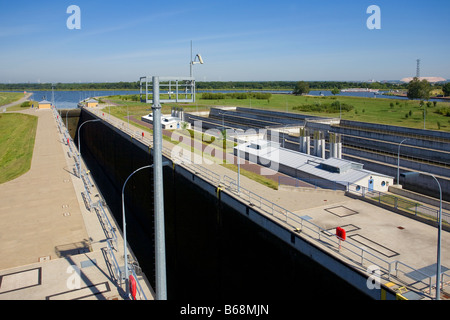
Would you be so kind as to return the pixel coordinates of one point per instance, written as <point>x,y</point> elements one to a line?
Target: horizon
<point>239,42</point>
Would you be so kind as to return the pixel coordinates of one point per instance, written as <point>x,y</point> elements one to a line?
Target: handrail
<point>317,233</point>
<point>110,229</point>
<point>398,202</point>
<point>139,288</point>
<point>116,269</point>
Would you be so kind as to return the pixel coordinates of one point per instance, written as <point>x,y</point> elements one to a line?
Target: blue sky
<point>244,40</point>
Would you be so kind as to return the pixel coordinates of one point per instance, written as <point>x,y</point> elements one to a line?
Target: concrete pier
<point>54,244</point>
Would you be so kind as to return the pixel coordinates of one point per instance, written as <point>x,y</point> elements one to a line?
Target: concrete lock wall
<point>216,245</point>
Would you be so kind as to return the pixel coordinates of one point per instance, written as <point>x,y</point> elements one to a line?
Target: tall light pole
<point>438,263</point>
<point>398,161</point>
<point>79,148</point>
<point>160,252</point>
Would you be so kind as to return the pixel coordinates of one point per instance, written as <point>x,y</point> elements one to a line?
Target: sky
<point>245,40</point>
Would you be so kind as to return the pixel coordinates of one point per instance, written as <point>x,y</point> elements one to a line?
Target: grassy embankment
<point>17,136</point>
<point>405,113</point>
<point>395,112</point>
<point>8,97</point>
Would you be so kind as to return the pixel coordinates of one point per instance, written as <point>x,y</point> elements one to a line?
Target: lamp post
<point>160,249</point>
<point>124,229</point>
<point>438,263</point>
<point>398,161</point>
<point>79,148</point>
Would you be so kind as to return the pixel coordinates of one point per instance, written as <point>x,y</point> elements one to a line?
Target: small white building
<point>324,172</point>
<point>168,122</point>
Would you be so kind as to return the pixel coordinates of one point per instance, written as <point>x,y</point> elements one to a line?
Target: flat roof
<point>346,171</point>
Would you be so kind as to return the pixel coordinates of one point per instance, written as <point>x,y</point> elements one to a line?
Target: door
<point>370,184</point>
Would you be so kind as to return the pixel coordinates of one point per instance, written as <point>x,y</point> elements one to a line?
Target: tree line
<point>204,85</point>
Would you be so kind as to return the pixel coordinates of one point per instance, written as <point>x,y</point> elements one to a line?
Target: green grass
<point>20,107</point>
<point>374,110</point>
<point>8,97</point>
<point>254,176</point>
<point>17,136</point>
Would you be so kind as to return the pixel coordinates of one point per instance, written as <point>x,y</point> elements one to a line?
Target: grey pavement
<point>44,219</point>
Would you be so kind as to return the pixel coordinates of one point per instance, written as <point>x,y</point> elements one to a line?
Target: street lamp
<point>124,229</point>
<point>79,150</point>
<point>124,224</point>
<point>438,267</point>
<point>398,161</point>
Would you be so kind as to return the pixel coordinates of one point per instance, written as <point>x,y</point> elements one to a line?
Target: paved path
<point>45,220</point>
<point>25,98</point>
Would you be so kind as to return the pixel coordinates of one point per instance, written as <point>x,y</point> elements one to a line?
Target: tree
<point>419,89</point>
<point>335,91</point>
<point>446,89</point>
<point>301,87</point>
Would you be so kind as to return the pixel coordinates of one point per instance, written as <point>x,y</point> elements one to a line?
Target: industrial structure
<point>332,173</point>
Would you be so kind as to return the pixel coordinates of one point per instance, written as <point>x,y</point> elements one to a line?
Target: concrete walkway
<point>52,246</point>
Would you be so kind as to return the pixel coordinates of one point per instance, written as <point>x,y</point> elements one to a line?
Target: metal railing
<point>110,231</point>
<point>395,202</point>
<point>347,249</point>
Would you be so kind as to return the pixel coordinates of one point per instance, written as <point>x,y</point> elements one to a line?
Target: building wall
<point>380,183</point>
<point>45,106</point>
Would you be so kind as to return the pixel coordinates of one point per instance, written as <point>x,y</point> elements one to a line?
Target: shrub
<point>445,111</point>
<point>236,95</point>
<point>325,107</point>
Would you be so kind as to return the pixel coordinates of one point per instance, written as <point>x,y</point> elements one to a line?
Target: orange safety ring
<point>132,287</point>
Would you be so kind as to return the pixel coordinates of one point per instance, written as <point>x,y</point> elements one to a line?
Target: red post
<point>341,234</point>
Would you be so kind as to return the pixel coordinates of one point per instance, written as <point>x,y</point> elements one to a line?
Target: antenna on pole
<point>418,69</point>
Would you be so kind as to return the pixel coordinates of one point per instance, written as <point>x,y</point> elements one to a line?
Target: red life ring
<point>132,287</point>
